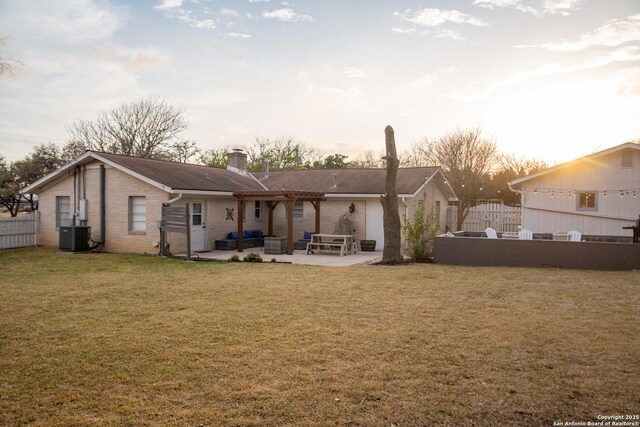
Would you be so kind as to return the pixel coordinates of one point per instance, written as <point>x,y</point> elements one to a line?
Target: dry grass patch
<point>107,339</point>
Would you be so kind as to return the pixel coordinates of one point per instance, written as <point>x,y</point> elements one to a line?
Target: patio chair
<point>561,235</point>
<point>575,236</point>
<point>525,234</point>
<point>491,233</point>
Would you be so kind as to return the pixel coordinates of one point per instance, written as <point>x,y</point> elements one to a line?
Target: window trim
<point>587,209</point>
<point>131,214</point>
<point>626,154</point>
<point>298,214</point>
<point>58,211</point>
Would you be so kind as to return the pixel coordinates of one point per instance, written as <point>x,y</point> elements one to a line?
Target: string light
<point>552,192</point>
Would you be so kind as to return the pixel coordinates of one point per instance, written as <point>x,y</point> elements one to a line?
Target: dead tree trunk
<point>391,218</point>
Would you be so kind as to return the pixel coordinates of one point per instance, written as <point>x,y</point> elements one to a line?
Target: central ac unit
<point>74,238</point>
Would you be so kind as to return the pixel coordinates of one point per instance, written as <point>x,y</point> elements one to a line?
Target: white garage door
<point>374,229</point>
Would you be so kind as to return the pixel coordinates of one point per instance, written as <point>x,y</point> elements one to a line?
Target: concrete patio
<point>298,257</point>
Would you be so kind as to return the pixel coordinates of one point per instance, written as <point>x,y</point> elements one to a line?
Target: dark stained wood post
<point>289,205</point>
<point>241,204</point>
<point>272,207</point>
<point>317,206</point>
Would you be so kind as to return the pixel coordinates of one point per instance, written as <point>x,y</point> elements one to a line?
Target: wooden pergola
<point>272,198</point>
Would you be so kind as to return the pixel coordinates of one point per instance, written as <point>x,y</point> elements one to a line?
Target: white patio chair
<point>561,235</point>
<point>491,233</point>
<point>525,234</point>
<point>575,236</point>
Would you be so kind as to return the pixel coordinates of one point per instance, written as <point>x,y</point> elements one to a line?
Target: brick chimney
<point>237,161</point>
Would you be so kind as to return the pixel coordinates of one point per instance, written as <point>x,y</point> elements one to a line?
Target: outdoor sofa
<point>250,239</point>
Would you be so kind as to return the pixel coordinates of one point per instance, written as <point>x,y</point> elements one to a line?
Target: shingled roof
<point>184,176</point>
<point>348,181</point>
<point>178,177</point>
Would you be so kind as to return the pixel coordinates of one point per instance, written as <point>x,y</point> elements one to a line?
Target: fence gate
<point>19,232</point>
<point>494,214</point>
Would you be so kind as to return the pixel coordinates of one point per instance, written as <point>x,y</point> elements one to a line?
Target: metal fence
<point>19,232</point>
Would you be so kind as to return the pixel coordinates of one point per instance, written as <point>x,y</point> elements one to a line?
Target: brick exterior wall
<point>118,188</point>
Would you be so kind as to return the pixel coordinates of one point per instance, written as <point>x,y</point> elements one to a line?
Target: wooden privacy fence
<point>494,214</point>
<point>19,232</point>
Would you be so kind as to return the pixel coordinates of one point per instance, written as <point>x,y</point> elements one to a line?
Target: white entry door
<point>198,241</point>
<point>374,229</point>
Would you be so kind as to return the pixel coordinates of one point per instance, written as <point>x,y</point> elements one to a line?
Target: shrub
<point>273,260</point>
<point>419,233</point>
<point>253,257</point>
<point>234,258</point>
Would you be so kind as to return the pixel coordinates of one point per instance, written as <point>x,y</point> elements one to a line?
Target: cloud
<point>188,17</point>
<point>599,59</point>
<point>404,30</point>
<point>287,15</point>
<point>448,34</point>
<point>259,1</point>
<point>130,57</point>
<point>168,4</point>
<point>612,33</point>
<point>355,73</point>
<point>238,35</point>
<point>68,23</point>
<point>534,7</point>
<point>229,12</point>
<point>435,17</point>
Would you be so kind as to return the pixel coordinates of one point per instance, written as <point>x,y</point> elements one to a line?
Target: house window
<point>437,214</point>
<point>257,210</point>
<point>587,201</point>
<point>298,210</point>
<point>627,158</point>
<point>137,213</point>
<point>63,211</point>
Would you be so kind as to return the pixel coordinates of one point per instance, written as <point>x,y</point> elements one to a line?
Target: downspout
<point>103,216</point>
<point>175,199</point>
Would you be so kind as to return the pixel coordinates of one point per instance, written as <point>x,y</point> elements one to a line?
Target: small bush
<point>234,258</point>
<point>253,257</point>
<point>273,260</point>
<point>419,233</point>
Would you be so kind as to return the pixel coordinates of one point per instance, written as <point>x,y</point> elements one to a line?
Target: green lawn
<point>105,339</point>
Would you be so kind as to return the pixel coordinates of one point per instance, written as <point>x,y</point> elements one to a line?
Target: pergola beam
<point>289,198</point>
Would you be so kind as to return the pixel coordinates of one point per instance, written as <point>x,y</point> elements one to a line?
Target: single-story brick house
<point>126,195</point>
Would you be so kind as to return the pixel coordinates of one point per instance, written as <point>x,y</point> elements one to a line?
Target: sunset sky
<point>550,79</point>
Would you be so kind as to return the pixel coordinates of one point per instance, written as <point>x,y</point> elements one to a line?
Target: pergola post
<point>241,204</point>
<point>289,205</point>
<point>316,205</point>
<point>289,198</point>
<point>272,207</point>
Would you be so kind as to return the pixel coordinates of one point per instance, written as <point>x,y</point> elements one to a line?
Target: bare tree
<point>9,187</point>
<point>369,159</point>
<point>148,128</point>
<point>466,158</point>
<point>184,151</point>
<point>215,157</point>
<point>7,65</point>
<point>391,252</point>
<point>282,153</point>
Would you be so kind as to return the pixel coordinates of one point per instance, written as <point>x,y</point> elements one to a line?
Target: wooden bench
<point>331,242</point>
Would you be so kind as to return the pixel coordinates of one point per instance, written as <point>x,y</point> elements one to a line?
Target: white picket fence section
<point>494,214</point>
<point>19,232</point>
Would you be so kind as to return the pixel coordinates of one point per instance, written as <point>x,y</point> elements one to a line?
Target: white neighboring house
<point>596,195</point>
